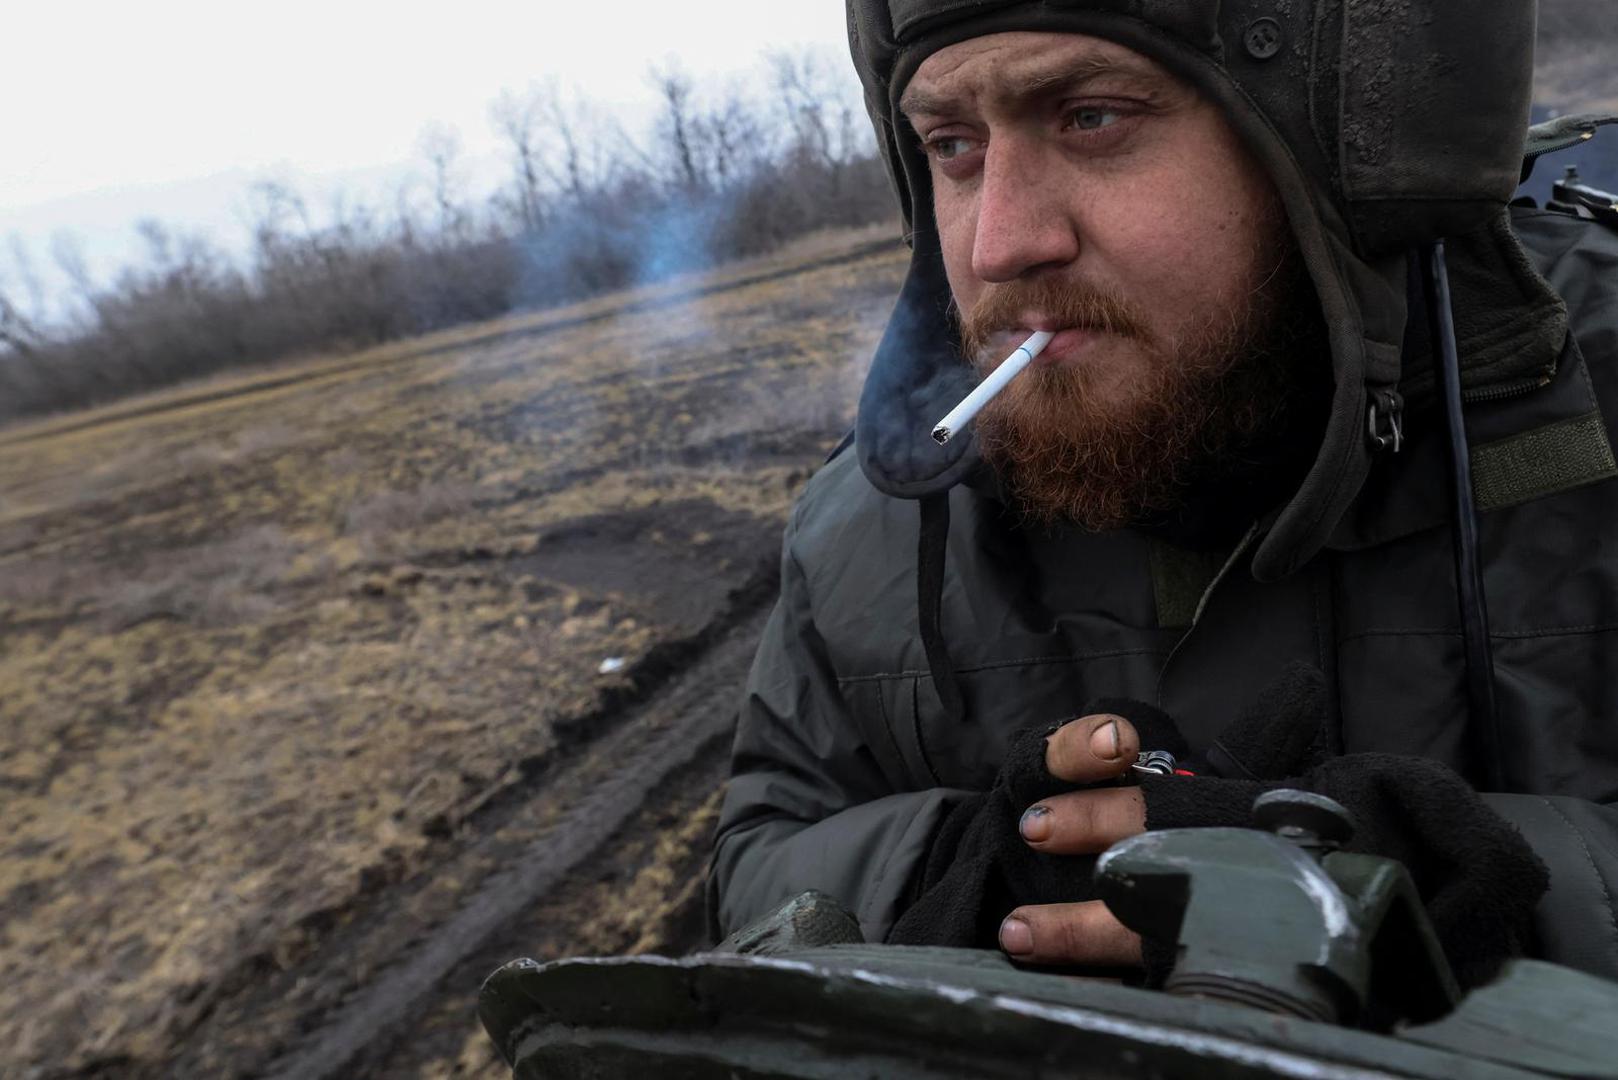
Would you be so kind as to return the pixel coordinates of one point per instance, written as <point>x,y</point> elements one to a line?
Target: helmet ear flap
<point>872,45</point>
<point>1433,96</point>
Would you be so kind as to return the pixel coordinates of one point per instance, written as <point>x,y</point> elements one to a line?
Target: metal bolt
<point>1315,823</point>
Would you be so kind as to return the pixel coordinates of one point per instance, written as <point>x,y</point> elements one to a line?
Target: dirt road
<point>329,689</point>
<point>602,853</point>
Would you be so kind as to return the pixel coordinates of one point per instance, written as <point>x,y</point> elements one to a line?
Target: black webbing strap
<point>930,602</point>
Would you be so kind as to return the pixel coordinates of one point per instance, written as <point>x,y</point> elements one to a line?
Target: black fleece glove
<point>1476,875</point>
<point>979,868</point>
<point>1478,878</point>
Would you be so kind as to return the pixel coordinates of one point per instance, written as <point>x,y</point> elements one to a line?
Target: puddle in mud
<point>671,564</point>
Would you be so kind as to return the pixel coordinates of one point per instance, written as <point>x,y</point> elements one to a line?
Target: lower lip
<point>1067,346</point>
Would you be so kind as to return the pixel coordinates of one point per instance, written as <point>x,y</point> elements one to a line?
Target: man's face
<point>1080,188</point>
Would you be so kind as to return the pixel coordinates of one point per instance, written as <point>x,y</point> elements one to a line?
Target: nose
<point>1022,220</point>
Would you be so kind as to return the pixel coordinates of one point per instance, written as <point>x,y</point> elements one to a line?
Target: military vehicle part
<point>1284,943</point>
<point>900,1012</point>
<point>808,921</point>
<point>1317,824</point>
<point>1312,945</point>
<point>1571,195</point>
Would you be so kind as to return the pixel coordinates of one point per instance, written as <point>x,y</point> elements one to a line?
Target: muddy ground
<point>325,690</point>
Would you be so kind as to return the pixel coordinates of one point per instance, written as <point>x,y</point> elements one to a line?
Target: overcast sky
<point>170,108</point>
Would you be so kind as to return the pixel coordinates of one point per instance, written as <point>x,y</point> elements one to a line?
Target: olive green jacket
<point>845,762</point>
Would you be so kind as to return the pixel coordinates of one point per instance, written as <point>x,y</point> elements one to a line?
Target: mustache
<point>1067,304</point>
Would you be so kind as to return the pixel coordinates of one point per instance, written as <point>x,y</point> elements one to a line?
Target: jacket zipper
<point>1505,390</point>
<point>1196,617</point>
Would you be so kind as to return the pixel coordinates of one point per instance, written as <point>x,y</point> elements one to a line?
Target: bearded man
<point>1219,514</point>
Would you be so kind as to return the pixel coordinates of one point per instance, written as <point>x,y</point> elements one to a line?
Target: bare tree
<point>674,86</point>
<point>734,144</point>
<point>517,119</point>
<point>819,108</point>
<point>17,331</point>
<point>797,87</point>
<point>441,147</point>
<point>276,210</point>
<point>584,208</point>
<point>27,276</point>
<point>577,130</point>
<point>20,319</point>
<point>67,251</point>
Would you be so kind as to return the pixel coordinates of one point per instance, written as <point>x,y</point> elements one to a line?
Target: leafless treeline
<point>586,208</point>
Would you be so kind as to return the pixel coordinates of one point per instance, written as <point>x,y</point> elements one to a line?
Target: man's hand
<point>1083,751</point>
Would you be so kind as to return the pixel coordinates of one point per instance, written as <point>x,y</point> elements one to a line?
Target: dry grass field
<point>269,645</point>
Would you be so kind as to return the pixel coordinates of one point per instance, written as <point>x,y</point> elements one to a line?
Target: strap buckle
<point>1386,424</point>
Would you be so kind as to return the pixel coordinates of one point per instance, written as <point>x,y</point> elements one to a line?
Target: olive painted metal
<point>1294,960</point>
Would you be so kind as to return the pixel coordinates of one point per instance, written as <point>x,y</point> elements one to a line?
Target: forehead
<point>1005,69</point>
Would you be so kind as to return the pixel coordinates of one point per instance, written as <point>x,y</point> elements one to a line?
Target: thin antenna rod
<point>1483,714</point>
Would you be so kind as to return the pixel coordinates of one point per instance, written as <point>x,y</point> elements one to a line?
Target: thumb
<point>1156,729</point>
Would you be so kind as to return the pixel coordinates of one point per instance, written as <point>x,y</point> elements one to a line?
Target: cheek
<point>956,217</point>
<point>1183,261</point>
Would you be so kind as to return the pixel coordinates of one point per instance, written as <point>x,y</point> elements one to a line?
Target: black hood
<point>1384,124</point>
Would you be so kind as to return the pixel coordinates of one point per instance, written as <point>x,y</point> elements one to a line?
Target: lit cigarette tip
<point>989,388</point>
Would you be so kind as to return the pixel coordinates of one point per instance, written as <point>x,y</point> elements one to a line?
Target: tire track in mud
<point>641,892</point>
<point>360,989</point>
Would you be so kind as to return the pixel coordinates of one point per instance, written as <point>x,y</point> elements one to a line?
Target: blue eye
<point>1093,119</point>
<point>949,147</point>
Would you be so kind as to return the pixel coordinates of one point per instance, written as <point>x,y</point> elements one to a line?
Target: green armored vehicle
<point>1294,959</point>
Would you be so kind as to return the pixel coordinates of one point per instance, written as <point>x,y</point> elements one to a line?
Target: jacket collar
<point>1519,367</point>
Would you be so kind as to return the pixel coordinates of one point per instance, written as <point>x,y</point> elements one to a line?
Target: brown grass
<point>256,645</point>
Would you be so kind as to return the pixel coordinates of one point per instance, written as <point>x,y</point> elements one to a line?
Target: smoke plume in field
<point>725,172</point>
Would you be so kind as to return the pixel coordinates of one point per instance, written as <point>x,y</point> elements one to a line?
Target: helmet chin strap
<point>1483,726</point>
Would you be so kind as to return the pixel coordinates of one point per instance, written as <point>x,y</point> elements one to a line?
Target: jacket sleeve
<point>1577,918</point>
<point>807,807</point>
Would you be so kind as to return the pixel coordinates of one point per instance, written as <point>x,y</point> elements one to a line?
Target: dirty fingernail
<point>1035,824</point>
<point>1104,741</point>
<point>1016,938</point>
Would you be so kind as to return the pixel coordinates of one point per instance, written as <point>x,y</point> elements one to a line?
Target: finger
<point>1092,748</point>
<point>1084,822</point>
<point>1086,933</point>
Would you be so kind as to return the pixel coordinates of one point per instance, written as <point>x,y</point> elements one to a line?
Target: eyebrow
<point>920,102</point>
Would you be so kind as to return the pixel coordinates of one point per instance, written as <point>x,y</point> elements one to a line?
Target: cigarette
<point>990,387</point>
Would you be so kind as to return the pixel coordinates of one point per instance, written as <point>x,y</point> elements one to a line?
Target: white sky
<point>116,111</point>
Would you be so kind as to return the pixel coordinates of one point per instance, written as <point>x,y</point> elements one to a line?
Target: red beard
<point>1064,457</point>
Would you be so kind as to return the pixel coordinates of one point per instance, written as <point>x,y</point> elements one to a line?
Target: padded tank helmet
<point>1384,124</point>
